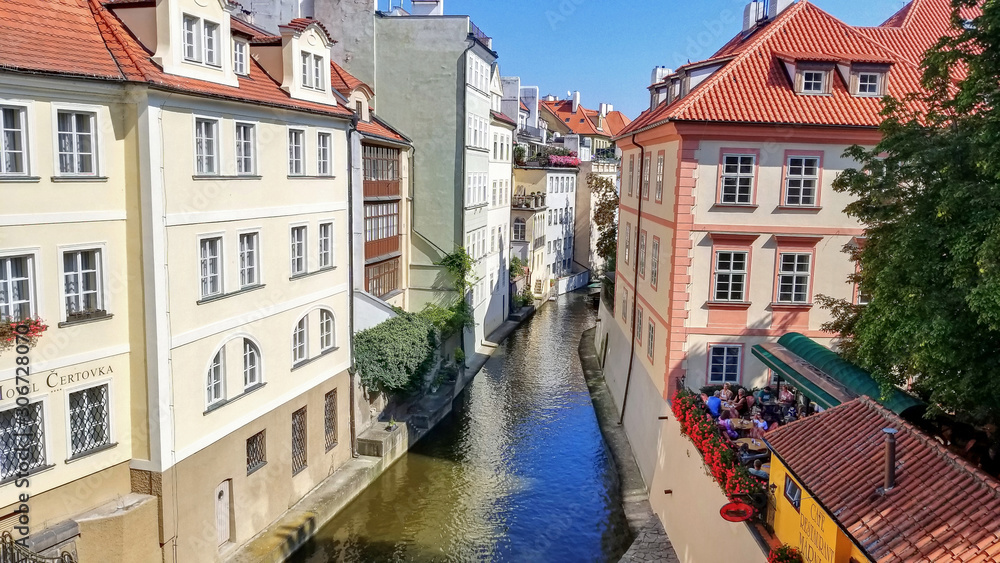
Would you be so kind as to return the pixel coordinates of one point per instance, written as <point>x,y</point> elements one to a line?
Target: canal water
<point>518,472</point>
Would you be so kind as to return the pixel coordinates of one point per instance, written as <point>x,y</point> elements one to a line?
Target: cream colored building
<point>196,174</point>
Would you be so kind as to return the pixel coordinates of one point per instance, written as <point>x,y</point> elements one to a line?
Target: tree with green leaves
<point>928,196</point>
<point>605,218</point>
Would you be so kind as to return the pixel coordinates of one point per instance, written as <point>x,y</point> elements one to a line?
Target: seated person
<point>746,456</point>
<point>742,404</point>
<point>727,429</point>
<point>757,472</point>
<point>759,427</point>
<point>765,395</point>
<point>714,404</point>
<point>785,395</point>
<point>727,392</point>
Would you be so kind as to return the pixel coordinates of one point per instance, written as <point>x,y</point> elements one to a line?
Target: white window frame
<point>324,154</point>
<point>32,276</point>
<point>303,245</point>
<point>210,384</point>
<point>211,43</point>
<point>319,82</point>
<point>68,426</point>
<point>733,274</point>
<point>101,275</point>
<point>245,149</point>
<point>206,45</point>
<point>253,267</point>
<point>728,350</point>
<point>795,277</point>
<point>735,171</point>
<point>204,280</point>
<point>241,57</point>
<point>258,368</point>
<point>879,79</point>
<point>809,77</point>
<point>22,131</point>
<point>194,31</point>
<point>299,170</point>
<point>803,179</point>
<point>75,153</point>
<point>327,330</point>
<point>327,256</point>
<point>300,344</point>
<point>201,139</point>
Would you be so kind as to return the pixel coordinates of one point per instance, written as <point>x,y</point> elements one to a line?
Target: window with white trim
<point>638,324</point>
<point>296,152</point>
<point>654,263</point>
<point>297,250</point>
<point>724,364</point>
<point>90,419</point>
<point>22,440</point>
<point>792,492</point>
<point>801,180</point>
<point>628,241</point>
<point>645,177</point>
<point>215,382</point>
<point>625,305</point>
<point>730,276</point>
<point>251,364</point>
<point>869,83</point>
<point>249,260</point>
<point>318,82</point>
<point>17,288</point>
<point>240,50</point>
<point>211,266</point>
<point>13,149</point>
<point>312,71</point>
<point>82,284</point>
<point>814,81</point>
<point>206,146</point>
<point>737,178</point>
<point>323,142</point>
<point>520,230</point>
<point>326,331</point>
<point>651,340</point>
<point>211,36</point>
<point>245,141</point>
<point>300,345</point>
<point>642,254</point>
<point>325,245</point>
<point>793,277</point>
<point>659,178</point>
<point>201,41</point>
<point>77,143</point>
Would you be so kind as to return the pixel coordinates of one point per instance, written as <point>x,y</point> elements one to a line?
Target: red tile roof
<point>345,82</point>
<point>615,122</point>
<point>502,117</point>
<point>941,510</point>
<point>54,37</point>
<point>377,128</point>
<point>579,122</point>
<point>300,25</point>
<point>753,86</point>
<point>524,106</point>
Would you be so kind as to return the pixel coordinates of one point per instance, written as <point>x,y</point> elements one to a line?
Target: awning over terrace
<point>825,377</point>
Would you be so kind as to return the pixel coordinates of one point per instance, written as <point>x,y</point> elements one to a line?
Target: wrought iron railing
<point>13,552</point>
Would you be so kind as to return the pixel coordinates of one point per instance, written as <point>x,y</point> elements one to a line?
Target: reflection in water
<point>518,472</point>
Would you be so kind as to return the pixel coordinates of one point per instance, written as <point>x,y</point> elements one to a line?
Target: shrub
<point>784,554</point>
<point>395,355</point>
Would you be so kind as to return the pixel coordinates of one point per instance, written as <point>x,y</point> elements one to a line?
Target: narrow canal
<point>518,472</point>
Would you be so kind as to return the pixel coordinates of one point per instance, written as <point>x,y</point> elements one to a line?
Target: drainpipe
<point>635,278</point>
<point>352,371</point>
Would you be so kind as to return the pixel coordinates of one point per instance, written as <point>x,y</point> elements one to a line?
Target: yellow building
<point>182,224</point>
<point>856,483</point>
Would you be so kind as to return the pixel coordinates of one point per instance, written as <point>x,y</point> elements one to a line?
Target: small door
<point>222,511</point>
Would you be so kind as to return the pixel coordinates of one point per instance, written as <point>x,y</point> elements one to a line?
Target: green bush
<point>524,298</point>
<point>395,355</point>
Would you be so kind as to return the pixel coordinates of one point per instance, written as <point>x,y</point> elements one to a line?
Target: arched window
<point>519,229</point>
<point>215,387</point>
<point>327,338</point>
<point>251,363</point>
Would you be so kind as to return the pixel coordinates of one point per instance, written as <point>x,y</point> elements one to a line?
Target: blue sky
<point>608,48</point>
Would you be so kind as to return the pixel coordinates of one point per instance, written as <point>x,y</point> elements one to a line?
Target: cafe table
<point>740,424</point>
<point>753,444</point>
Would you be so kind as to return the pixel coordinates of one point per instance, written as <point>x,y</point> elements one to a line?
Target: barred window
<point>730,275</point>
<point>22,440</point>
<point>89,419</point>
<point>737,178</point>
<point>299,458</point>
<point>256,451</point>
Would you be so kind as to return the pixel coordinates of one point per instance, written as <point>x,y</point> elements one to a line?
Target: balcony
<point>479,36</point>
<point>382,188</point>
<point>533,201</point>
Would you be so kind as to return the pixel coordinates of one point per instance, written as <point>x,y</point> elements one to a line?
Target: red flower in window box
<point>9,332</point>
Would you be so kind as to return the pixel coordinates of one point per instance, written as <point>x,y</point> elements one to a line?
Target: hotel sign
<point>54,380</point>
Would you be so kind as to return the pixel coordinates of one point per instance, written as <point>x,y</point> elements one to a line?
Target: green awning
<point>824,376</point>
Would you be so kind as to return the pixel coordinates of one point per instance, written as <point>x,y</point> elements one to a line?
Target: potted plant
<point>785,554</point>
<point>392,424</point>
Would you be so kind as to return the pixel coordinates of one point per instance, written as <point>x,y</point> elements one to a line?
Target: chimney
<point>753,13</point>
<point>775,7</point>
<point>576,100</point>
<point>659,73</point>
<point>606,109</point>
<point>550,98</point>
<point>890,459</point>
<point>428,7</point>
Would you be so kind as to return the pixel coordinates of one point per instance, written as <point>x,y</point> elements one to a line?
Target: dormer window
<point>201,41</point>
<point>813,82</point>
<point>868,83</point>
<point>869,80</point>
<point>240,50</point>
<point>312,71</point>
